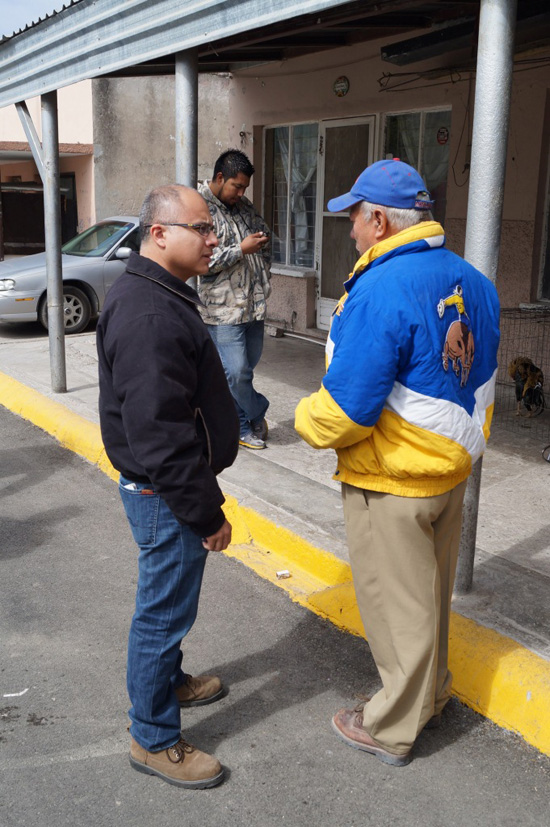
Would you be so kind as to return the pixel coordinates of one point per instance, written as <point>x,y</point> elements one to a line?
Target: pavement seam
<point>493,674</point>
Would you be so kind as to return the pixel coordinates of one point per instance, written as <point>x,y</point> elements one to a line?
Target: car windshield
<point>97,240</point>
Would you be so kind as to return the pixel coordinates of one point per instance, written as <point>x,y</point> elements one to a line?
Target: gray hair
<point>159,206</point>
<point>399,219</point>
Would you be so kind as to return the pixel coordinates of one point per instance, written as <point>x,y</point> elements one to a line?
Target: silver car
<point>90,262</point>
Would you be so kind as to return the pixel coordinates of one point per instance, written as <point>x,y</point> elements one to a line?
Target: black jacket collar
<point>142,266</point>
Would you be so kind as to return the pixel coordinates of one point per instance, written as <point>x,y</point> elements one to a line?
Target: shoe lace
<point>192,684</point>
<point>360,708</point>
<point>178,751</point>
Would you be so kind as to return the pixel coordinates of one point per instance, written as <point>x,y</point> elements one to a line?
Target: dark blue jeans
<point>240,347</point>
<point>170,568</point>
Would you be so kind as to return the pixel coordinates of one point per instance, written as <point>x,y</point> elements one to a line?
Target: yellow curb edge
<point>493,674</point>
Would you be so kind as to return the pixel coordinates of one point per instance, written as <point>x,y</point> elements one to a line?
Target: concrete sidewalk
<point>287,515</point>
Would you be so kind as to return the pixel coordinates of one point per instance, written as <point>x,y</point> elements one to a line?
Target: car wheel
<point>77,310</point>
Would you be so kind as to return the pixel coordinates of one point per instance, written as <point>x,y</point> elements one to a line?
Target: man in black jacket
<point>169,425</point>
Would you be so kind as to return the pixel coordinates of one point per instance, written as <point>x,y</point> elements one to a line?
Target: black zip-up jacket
<point>166,413</point>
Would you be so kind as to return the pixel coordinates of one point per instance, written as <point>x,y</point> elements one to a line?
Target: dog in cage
<point>529,380</point>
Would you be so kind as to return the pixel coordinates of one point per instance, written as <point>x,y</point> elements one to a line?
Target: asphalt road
<point>68,573</point>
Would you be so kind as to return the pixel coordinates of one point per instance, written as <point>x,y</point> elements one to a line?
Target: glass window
<point>403,137</point>
<point>291,192</point>
<point>97,240</point>
<point>132,241</point>
<point>422,139</point>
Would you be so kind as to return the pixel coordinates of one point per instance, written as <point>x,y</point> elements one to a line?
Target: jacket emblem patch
<point>458,347</point>
<point>340,306</point>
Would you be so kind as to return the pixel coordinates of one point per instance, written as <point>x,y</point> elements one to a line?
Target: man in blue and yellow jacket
<point>407,403</point>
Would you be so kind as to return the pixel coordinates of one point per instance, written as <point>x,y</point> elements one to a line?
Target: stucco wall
<point>133,141</point>
<point>134,147</point>
<point>27,171</point>
<point>74,105</point>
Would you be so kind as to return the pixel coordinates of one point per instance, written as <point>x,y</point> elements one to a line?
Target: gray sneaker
<point>250,440</point>
<point>260,429</point>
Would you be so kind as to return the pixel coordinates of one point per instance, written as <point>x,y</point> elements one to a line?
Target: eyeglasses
<point>202,228</point>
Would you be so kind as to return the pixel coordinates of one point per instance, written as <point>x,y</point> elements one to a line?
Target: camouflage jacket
<point>236,288</point>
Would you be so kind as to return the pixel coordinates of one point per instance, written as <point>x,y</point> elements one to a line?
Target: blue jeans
<point>170,568</point>
<point>240,347</point>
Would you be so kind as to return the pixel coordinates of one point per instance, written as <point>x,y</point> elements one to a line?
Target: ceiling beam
<point>430,45</point>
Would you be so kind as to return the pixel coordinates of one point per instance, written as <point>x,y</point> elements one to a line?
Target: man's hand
<point>220,540</point>
<point>253,243</point>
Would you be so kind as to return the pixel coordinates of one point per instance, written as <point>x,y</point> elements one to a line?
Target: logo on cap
<point>423,201</point>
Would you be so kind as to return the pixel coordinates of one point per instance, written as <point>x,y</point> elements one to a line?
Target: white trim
<point>411,111</point>
<point>278,269</point>
<point>435,241</point>
<point>288,123</point>
<point>445,418</point>
<point>421,110</point>
<point>329,350</point>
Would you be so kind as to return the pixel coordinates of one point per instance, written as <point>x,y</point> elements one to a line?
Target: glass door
<point>345,148</point>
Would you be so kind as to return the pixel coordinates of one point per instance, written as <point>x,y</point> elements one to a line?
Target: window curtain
<point>303,169</point>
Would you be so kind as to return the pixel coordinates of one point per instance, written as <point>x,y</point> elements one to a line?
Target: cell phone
<point>265,235</point>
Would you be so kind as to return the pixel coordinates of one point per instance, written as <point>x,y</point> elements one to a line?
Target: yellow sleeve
<point>322,423</point>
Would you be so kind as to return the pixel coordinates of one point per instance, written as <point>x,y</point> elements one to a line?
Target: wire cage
<point>524,332</point>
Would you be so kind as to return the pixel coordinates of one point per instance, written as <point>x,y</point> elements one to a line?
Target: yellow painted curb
<point>72,431</point>
<point>493,674</point>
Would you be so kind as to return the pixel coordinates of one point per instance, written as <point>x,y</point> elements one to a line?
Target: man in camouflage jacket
<point>235,290</point>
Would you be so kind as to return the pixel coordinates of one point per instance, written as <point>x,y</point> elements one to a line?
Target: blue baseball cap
<point>389,183</point>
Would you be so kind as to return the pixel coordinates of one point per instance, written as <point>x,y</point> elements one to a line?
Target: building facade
<point>315,126</point>
<point>22,212</point>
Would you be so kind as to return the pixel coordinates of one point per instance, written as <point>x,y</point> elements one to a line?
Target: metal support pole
<point>1,227</point>
<point>32,137</point>
<point>187,102</point>
<point>187,120</point>
<point>52,226</point>
<point>494,71</point>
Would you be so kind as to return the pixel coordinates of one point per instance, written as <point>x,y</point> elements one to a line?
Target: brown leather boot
<point>204,689</point>
<point>181,764</point>
<point>348,724</point>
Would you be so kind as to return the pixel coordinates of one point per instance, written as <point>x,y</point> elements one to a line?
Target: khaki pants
<point>403,553</point>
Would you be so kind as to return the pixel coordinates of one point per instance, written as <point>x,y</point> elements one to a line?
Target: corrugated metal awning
<point>95,37</point>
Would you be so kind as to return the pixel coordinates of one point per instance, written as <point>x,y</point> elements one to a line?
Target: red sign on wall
<point>442,135</point>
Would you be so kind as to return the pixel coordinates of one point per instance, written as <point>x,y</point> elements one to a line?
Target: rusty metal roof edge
<point>62,50</point>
